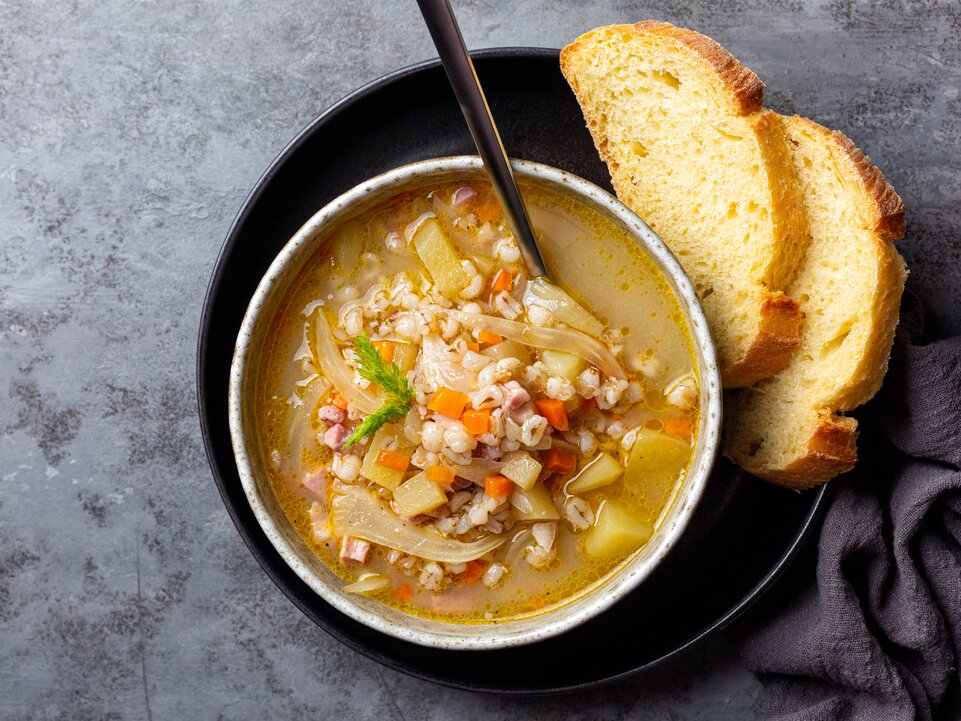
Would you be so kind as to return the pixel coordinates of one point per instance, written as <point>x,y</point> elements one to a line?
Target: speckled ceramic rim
<point>604,593</point>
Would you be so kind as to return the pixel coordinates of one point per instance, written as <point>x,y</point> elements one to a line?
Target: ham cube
<point>515,396</point>
<point>317,484</point>
<point>335,436</point>
<point>331,415</point>
<point>353,550</point>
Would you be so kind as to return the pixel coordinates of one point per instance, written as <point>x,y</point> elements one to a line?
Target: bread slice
<point>790,428</point>
<point>680,125</point>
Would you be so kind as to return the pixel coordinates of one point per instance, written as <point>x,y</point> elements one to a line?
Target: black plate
<point>742,535</point>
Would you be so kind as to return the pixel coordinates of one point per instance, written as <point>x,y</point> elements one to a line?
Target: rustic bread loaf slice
<point>789,429</point>
<point>680,125</point>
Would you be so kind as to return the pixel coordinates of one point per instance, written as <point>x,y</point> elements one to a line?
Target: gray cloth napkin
<point>876,632</point>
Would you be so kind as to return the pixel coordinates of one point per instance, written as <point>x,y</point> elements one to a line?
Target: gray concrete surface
<point>130,132</point>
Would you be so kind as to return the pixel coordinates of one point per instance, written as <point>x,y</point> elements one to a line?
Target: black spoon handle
<point>460,71</point>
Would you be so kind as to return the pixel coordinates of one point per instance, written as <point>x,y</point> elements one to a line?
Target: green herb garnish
<point>372,367</point>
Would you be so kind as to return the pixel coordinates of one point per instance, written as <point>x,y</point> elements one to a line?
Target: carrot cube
<point>475,569</point>
<point>477,421</point>
<point>497,486</point>
<point>448,402</point>
<point>386,349</point>
<point>439,474</point>
<point>555,413</point>
<point>557,459</point>
<point>393,459</point>
<point>502,281</point>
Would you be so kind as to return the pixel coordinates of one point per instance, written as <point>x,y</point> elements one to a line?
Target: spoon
<point>467,88</point>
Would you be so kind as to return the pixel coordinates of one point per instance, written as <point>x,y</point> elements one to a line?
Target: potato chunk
<point>533,504</point>
<point>615,532</point>
<point>522,468</point>
<point>418,495</point>
<point>389,478</point>
<point>405,355</point>
<point>438,255</point>
<point>346,245</point>
<point>600,472</point>
<point>564,365</point>
<point>653,466</point>
<point>509,349</point>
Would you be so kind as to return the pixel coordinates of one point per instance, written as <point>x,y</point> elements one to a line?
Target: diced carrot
<point>404,592</point>
<point>557,459</point>
<point>393,459</point>
<point>338,400</point>
<point>475,569</point>
<point>680,427</point>
<point>588,405</point>
<point>448,402</point>
<point>477,421</point>
<point>474,347</point>
<point>502,281</point>
<point>497,486</point>
<point>485,336</point>
<point>386,349</point>
<point>439,474</point>
<point>555,413</point>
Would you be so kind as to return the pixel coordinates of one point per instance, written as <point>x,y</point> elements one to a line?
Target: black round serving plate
<point>744,531</point>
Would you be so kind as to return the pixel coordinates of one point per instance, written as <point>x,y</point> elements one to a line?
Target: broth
<point>567,468</point>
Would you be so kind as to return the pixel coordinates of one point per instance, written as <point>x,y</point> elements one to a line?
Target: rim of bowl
<point>624,578</point>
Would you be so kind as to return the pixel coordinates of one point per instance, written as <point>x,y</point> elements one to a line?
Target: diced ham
<point>317,484</point>
<point>460,483</point>
<point>335,436</point>
<point>491,453</point>
<point>353,550</point>
<point>515,396</point>
<point>544,534</point>
<point>331,415</point>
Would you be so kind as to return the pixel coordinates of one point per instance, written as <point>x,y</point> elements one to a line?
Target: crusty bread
<point>789,429</point>
<point>680,125</point>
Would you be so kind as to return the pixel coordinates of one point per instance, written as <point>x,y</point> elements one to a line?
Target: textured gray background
<point>130,132</point>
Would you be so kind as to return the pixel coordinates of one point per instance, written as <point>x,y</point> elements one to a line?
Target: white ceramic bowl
<point>499,634</point>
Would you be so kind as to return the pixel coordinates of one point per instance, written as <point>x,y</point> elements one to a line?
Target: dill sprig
<point>372,367</point>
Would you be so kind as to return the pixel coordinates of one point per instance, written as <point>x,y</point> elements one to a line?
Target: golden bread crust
<point>746,88</point>
<point>775,343</point>
<point>831,450</point>
<point>778,316</point>
<point>884,210</point>
<point>883,213</point>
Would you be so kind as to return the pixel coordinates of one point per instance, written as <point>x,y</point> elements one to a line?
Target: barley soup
<point>458,440</point>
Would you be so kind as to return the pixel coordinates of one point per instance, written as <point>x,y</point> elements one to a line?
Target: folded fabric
<point>876,633</point>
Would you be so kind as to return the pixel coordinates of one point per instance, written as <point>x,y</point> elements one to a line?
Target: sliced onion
<point>559,339</point>
<point>441,367</point>
<point>358,513</point>
<point>479,469</point>
<point>327,357</point>
<point>540,291</point>
<point>300,436</point>
<point>366,583</point>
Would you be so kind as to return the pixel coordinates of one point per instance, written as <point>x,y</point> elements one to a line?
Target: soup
<point>456,439</point>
